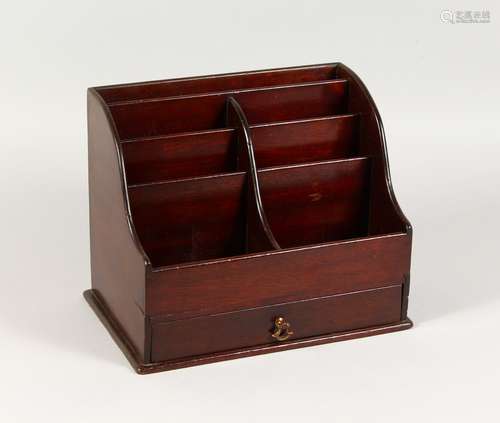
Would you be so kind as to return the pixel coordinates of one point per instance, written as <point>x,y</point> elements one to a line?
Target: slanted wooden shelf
<point>240,214</point>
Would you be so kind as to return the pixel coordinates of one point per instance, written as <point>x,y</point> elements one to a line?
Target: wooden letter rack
<point>240,214</point>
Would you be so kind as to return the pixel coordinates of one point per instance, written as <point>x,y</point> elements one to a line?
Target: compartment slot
<point>211,152</point>
<point>169,116</point>
<point>198,85</point>
<point>294,102</point>
<point>180,156</point>
<point>305,141</point>
<point>250,211</point>
<point>202,112</point>
<point>318,202</point>
<point>192,219</point>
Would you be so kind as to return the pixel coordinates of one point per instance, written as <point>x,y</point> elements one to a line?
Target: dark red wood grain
<point>190,220</point>
<point>180,156</point>
<point>215,151</point>
<point>294,102</point>
<point>225,82</point>
<point>229,331</point>
<point>278,277</point>
<point>305,140</point>
<point>118,262</point>
<point>385,213</point>
<point>201,218</point>
<point>315,203</point>
<point>259,236</point>
<point>143,368</point>
<point>218,203</point>
<point>202,112</point>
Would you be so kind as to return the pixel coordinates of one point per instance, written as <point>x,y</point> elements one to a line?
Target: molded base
<point>121,339</point>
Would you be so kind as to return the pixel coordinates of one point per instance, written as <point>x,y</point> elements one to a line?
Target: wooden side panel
<point>278,277</point>
<point>385,213</point>
<point>117,263</point>
<point>229,331</point>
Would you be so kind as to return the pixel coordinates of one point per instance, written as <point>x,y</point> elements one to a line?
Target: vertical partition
<point>241,164</point>
<point>259,234</point>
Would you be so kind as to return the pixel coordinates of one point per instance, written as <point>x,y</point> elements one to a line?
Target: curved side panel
<point>118,262</point>
<point>259,234</point>
<point>385,214</point>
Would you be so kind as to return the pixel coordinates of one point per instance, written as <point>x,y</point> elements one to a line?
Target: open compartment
<point>305,140</point>
<point>317,203</point>
<point>191,220</point>
<point>211,152</point>
<point>180,156</point>
<point>291,102</point>
<point>156,117</point>
<point>223,82</point>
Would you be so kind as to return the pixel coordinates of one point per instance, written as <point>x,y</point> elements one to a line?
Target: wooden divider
<point>204,153</point>
<point>171,115</point>
<point>238,189</point>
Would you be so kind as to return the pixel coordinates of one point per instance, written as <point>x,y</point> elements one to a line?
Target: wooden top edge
<point>306,120</point>
<point>212,76</point>
<point>178,135</point>
<point>274,252</point>
<point>188,179</point>
<point>119,103</point>
<point>316,163</point>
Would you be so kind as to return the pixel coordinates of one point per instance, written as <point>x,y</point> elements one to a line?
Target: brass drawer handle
<point>281,329</point>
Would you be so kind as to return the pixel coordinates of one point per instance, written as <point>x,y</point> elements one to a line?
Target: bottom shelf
<point>211,217</point>
<point>124,344</point>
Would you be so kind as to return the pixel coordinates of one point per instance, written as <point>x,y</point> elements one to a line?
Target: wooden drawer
<point>247,328</point>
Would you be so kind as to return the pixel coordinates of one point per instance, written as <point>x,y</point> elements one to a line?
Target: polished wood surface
<point>229,331</point>
<point>279,276</point>
<point>224,201</point>
<point>211,83</point>
<point>191,219</point>
<point>141,367</point>
<point>325,201</point>
<point>207,111</point>
<point>180,156</point>
<point>305,140</point>
<point>118,262</point>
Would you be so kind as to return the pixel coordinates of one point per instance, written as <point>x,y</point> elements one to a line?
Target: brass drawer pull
<point>281,329</point>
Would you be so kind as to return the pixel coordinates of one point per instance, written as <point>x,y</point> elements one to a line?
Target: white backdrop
<point>437,87</point>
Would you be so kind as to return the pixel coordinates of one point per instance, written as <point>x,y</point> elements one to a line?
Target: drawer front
<point>229,331</point>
